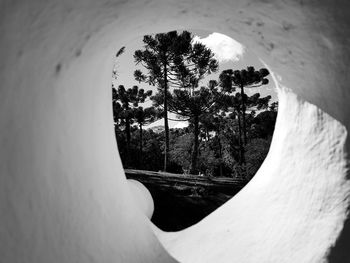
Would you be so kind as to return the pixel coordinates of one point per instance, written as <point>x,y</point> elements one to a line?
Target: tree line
<point>224,126</point>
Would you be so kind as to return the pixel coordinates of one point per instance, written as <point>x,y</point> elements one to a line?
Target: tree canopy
<point>229,130</point>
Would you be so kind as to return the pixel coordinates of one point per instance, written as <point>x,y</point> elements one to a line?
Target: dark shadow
<point>339,253</point>
<point>181,201</point>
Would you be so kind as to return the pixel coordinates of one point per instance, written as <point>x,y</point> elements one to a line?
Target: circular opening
<point>221,113</point>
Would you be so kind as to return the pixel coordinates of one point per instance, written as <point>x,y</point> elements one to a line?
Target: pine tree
<point>190,100</point>
<point>124,102</point>
<point>193,104</point>
<point>245,78</point>
<point>158,57</point>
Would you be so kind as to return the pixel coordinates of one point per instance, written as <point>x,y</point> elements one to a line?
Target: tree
<point>188,100</point>
<point>158,57</point>
<point>124,100</point>
<point>143,117</point>
<point>263,124</point>
<point>218,122</point>
<point>193,106</point>
<point>245,78</point>
<point>181,151</point>
<point>233,103</point>
<point>152,150</point>
<point>207,125</point>
<point>257,149</point>
<point>192,66</point>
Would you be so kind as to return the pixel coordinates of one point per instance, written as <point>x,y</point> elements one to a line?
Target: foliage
<point>217,156</point>
<point>230,80</point>
<point>124,100</point>
<point>229,131</point>
<point>160,57</point>
<point>124,103</point>
<point>181,151</point>
<point>188,100</point>
<point>257,150</point>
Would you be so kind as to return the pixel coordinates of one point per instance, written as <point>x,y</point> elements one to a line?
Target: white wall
<point>63,194</point>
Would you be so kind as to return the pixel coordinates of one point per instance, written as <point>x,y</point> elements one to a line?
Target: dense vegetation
<point>229,132</point>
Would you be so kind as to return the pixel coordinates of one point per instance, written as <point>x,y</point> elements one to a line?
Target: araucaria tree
<point>245,78</point>
<point>229,131</point>
<point>191,65</point>
<point>158,57</point>
<point>124,101</point>
<point>193,101</point>
<point>233,103</point>
<point>193,106</point>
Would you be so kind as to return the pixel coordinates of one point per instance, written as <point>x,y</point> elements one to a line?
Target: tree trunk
<point>220,154</point>
<point>240,141</point>
<point>166,125</point>
<point>141,150</point>
<point>194,160</point>
<point>243,116</point>
<point>128,138</point>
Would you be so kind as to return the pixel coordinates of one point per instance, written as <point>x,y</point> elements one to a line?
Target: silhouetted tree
<point>124,100</point>
<point>187,99</point>
<point>206,124</point>
<point>245,78</point>
<point>235,133</point>
<point>263,124</point>
<point>233,103</point>
<point>160,55</point>
<point>190,100</point>
<point>193,106</point>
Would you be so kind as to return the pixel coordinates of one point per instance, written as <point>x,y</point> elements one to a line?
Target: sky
<point>229,53</point>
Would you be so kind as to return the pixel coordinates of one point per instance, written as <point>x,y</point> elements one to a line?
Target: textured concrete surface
<point>63,193</point>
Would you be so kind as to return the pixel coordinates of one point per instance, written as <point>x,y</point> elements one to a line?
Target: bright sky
<point>229,53</point>
<point>225,48</point>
